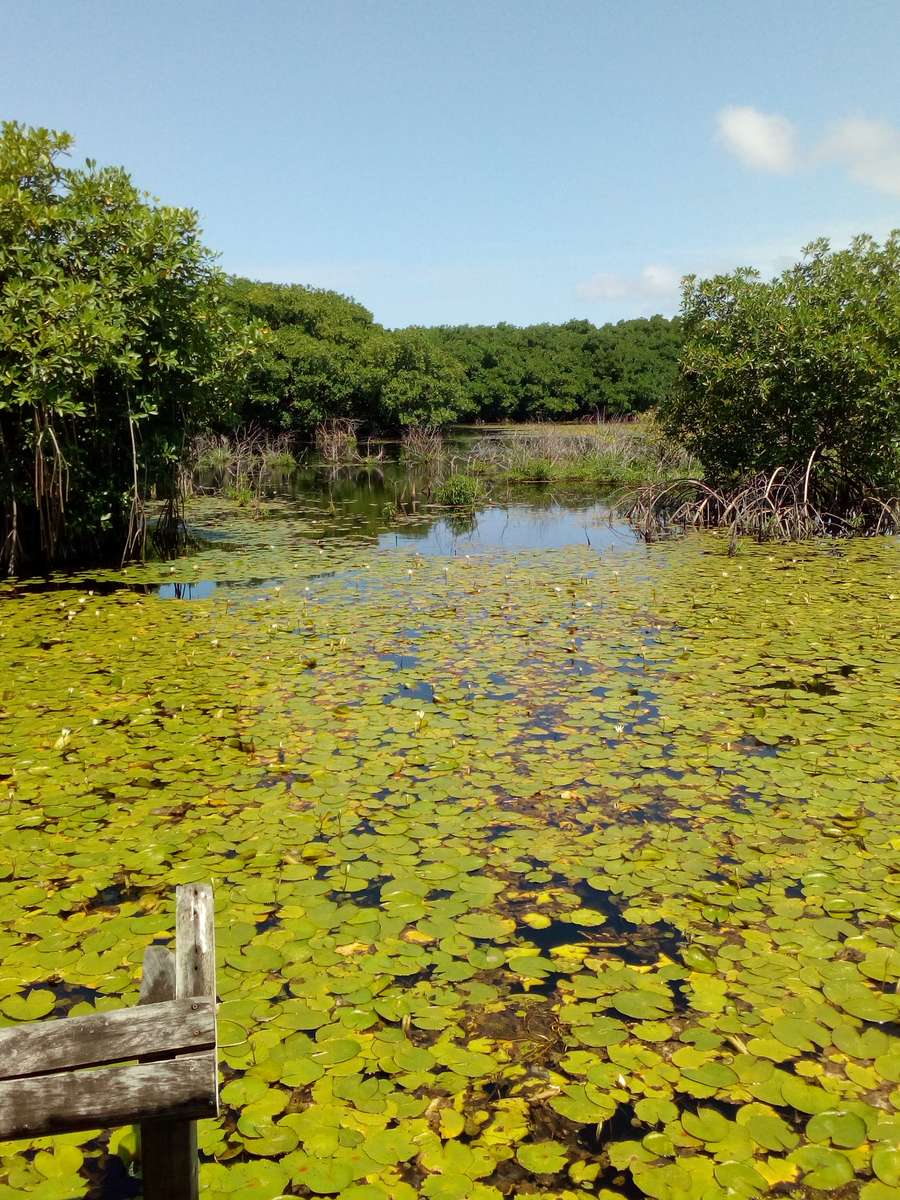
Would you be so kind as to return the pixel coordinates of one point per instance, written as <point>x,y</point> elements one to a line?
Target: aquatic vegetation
<point>422,443</point>
<point>242,463</point>
<point>605,453</point>
<point>459,491</point>
<point>547,873</point>
<point>336,441</point>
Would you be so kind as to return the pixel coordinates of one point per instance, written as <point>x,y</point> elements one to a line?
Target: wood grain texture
<point>157,975</point>
<point>183,1089</point>
<point>45,1047</point>
<point>195,941</point>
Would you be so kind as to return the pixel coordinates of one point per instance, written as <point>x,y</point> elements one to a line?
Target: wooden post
<point>169,1159</point>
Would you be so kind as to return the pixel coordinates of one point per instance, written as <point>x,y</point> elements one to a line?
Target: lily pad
<point>544,1158</point>
<point>844,1129</point>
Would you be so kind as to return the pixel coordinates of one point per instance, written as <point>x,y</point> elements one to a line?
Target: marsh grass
<point>459,490</point>
<point>614,452</point>
<point>337,443</point>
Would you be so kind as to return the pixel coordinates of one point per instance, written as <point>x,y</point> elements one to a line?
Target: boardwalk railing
<point>58,1077</point>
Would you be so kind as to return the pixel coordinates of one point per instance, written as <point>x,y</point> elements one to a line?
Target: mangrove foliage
<point>114,345</point>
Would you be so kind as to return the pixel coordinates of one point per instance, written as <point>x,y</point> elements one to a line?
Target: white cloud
<point>764,141</point>
<point>868,149</point>
<point>653,283</point>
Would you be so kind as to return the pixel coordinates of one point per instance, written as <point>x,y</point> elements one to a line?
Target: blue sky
<point>447,161</point>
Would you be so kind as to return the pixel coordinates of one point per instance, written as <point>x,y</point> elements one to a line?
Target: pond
<point>546,862</point>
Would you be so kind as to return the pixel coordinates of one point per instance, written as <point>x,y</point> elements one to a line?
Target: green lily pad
<point>706,1124</point>
<point>806,1097</point>
<point>389,1146</point>
<point>543,1158</point>
<point>335,1050</point>
<point>36,1004</point>
<point>822,1168</point>
<point>844,1129</point>
<point>647,1006</point>
<point>886,1164</point>
<point>711,1074</point>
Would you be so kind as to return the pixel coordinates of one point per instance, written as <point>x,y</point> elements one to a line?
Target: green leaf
<point>389,1146</point>
<point>843,1129</point>
<point>822,1168</point>
<point>886,1164</point>
<point>647,1006</point>
<point>543,1158</point>
<point>38,1003</point>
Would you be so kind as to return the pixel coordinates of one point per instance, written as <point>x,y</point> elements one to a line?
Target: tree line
<point>325,357</point>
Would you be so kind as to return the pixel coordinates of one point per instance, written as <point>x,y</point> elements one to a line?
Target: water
<point>517,526</point>
<point>389,501</point>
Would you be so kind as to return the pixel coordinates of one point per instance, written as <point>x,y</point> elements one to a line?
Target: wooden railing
<point>58,1077</point>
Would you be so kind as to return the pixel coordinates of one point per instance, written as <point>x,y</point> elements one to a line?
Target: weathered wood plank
<point>45,1047</point>
<point>157,975</point>
<point>195,941</point>
<point>184,1089</point>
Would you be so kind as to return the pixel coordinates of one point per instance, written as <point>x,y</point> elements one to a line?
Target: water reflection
<point>201,590</point>
<point>390,500</point>
<point>514,527</point>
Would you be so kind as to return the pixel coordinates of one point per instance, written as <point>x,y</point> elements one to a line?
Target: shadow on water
<point>109,1180</point>
<point>634,944</point>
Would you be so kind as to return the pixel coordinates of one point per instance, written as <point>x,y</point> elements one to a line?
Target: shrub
<point>799,374</point>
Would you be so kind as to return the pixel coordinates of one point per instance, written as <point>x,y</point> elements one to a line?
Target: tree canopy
<point>325,357</point>
<point>114,346</point>
<point>561,372</point>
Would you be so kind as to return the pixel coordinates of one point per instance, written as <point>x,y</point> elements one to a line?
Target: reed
<point>608,452</point>
<point>239,466</point>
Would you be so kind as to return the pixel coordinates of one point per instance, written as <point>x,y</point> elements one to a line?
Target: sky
<point>475,161</point>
